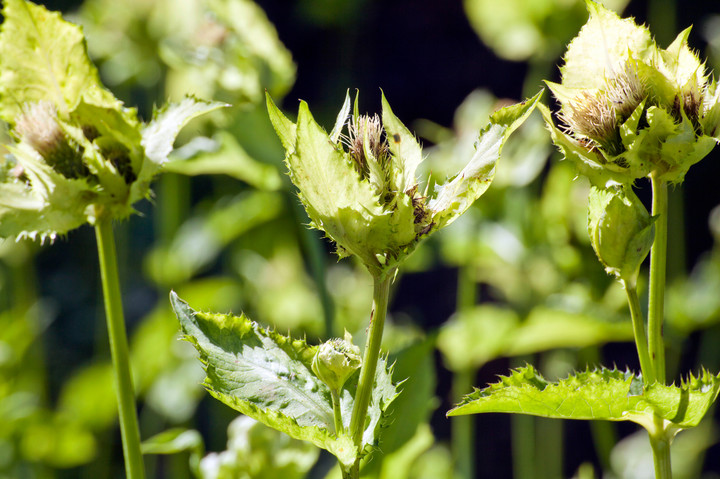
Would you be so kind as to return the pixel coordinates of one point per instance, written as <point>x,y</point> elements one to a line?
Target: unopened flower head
<point>360,187</point>
<point>38,126</point>
<point>77,154</point>
<point>631,108</point>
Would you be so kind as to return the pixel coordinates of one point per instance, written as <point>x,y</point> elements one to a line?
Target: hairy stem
<point>658,258</point>
<point>381,289</point>
<point>129,429</point>
<point>641,340</point>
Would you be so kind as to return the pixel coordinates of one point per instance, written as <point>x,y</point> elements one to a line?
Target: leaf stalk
<point>641,340</point>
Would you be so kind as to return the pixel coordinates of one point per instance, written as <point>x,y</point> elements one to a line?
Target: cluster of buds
<point>631,108</point>
<point>628,110</point>
<point>360,187</point>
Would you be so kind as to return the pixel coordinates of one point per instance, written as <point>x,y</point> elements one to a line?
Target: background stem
<point>381,289</point>
<point>463,427</point>
<point>119,349</point>
<point>658,258</point>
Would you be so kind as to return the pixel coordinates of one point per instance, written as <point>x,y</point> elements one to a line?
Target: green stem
<point>641,341</point>
<point>658,258</point>
<point>339,428</point>
<point>661,457</point>
<point>381,290</point>
<point>119,349</point>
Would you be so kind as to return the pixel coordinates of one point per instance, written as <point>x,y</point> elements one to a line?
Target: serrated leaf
<point>602,394</point>
<point>455,197</point>
<point>268,377</point>
<point>43,57</point>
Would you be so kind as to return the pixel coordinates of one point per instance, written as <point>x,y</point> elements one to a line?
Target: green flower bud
<point>360,187</point>
<point>621,230</point>
<point>631,108</point>
<point>336,360</point>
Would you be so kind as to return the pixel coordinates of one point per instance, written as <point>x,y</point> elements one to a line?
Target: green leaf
<point>412,409</point>
<point>159,135</point>
<point>268,377</point>
<point>455,197</point>
<point>255,451</point>
<point>177,440</point>
<point>223,155</point>
<point>603,394</point>
<point>472,338</point>
<point>43,57</point>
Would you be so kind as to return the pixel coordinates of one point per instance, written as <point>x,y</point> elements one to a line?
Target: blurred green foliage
<point>226,232</point>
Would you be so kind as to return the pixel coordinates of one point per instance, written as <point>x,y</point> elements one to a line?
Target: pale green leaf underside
<point>603,394</point>
<point>268,377</point>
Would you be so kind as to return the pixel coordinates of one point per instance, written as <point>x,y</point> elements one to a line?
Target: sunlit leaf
<point>602,394</point>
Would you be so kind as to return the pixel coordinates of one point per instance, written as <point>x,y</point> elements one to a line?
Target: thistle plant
<point>628,110</point>
<point>358,185</point>
<point>77,156</point>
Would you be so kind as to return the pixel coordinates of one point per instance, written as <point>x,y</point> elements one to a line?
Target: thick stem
<point>353,472</point>
<point>661,457</point>
<point>641,340</point>
<point>381,289</point>
<point>658,258</point>
<point>119,349</point>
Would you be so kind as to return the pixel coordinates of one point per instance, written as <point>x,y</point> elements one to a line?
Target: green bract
<point>360,187</point>
<point>621,230</point>
<point>77,152</point>
<point>631,108</point>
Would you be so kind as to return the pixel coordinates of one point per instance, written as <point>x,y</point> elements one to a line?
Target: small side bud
<point>336,360</point>
<point>621,230</point>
